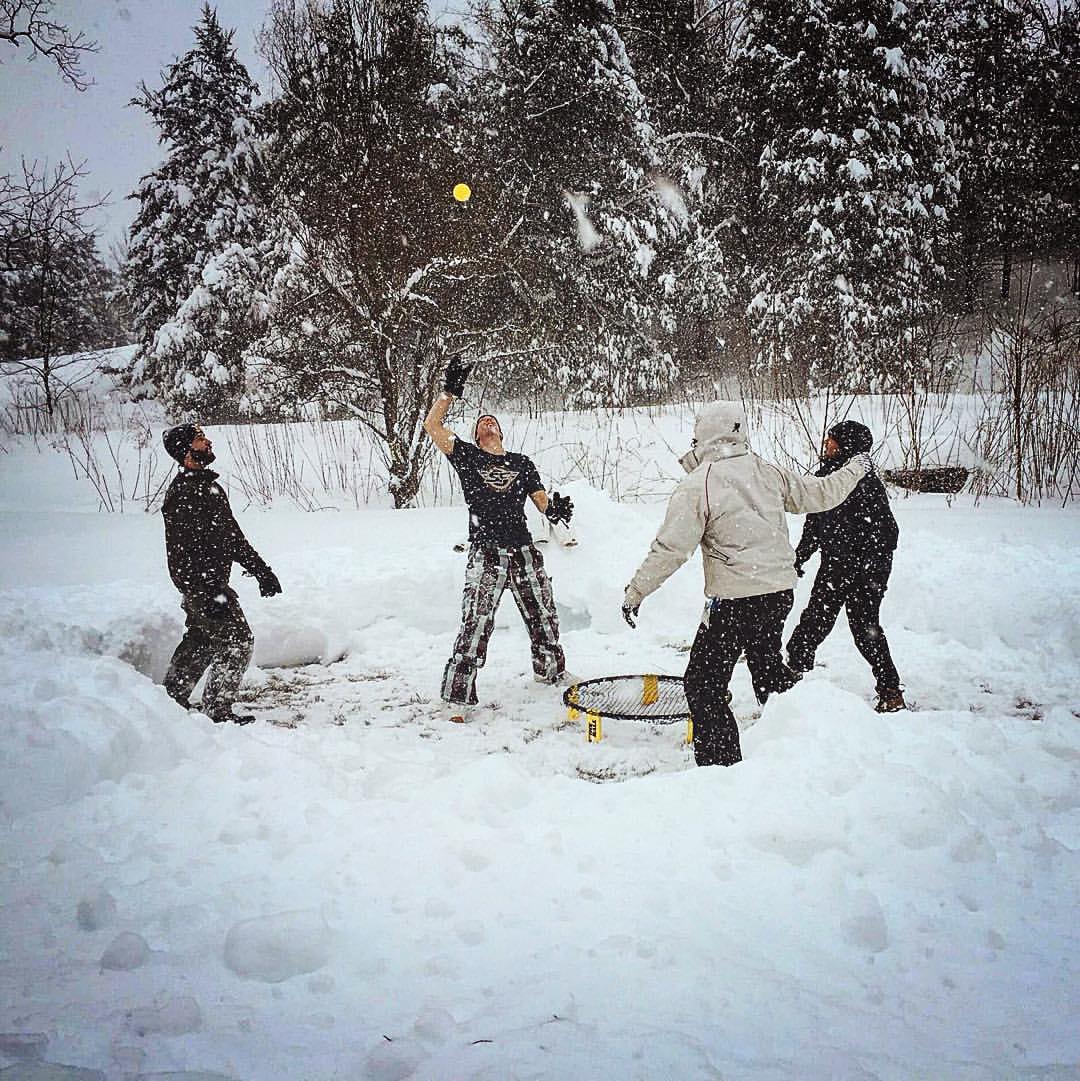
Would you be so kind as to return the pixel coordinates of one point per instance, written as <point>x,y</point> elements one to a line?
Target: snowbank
<point>374,894</point>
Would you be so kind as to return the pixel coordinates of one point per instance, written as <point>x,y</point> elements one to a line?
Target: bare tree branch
<point>29,22</point>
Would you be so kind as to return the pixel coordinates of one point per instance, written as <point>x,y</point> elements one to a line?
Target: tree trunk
<point>1006,268</point>
<point>969,269</point>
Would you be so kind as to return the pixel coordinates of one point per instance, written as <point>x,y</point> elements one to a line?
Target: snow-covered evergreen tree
<point>377,286</point>
<point>848,175</point>
<point>199,242</point>
<point>597,245</point>
<point>677,66</point>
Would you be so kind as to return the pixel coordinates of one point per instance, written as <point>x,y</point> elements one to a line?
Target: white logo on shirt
<point>498,478</point>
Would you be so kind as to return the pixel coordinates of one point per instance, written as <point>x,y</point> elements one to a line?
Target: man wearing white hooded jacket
<point>732,504</point>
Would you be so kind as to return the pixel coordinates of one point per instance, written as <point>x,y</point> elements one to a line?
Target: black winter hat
<point>178,441</point>
<point>853,437</point>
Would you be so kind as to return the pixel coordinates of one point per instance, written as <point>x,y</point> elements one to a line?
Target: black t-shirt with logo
<point>496,487</point>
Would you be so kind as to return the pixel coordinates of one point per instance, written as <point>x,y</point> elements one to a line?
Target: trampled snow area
<point>375,894</point>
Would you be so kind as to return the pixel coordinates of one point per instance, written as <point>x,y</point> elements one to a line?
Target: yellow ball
<point>462,192</point>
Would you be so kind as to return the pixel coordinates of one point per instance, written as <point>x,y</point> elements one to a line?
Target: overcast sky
<point>43,117</point>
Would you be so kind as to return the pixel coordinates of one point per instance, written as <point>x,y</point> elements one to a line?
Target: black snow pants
<point>750,625</point>
<point>860,590</point>
<point>217,638</point>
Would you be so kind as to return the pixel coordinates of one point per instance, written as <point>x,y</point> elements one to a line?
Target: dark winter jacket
<point>860,530</point>
<point>202,538</point>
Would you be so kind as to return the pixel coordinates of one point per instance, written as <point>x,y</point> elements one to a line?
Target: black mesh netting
<point>659,699</point>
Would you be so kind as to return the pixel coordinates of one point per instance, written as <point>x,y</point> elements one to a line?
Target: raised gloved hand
<point>457,372</point>
<point>630,612</point>
<point>560,508</point>
<point>269,586</point>
<point>798,570</point>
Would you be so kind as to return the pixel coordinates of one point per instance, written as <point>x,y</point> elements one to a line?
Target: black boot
<point>785,681</point>
<point>890,701</point>
<point>223,716</point>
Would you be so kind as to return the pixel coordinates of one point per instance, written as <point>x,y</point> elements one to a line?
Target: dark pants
<point>218,639</point>
<point>753,625</point>
<point>490,572</point>
<point>860,590</point>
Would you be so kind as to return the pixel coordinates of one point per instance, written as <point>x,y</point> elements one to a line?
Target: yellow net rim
<point>647,697</point>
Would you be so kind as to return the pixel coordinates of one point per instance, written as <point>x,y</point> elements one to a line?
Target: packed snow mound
<point>353,887</point>
<point>278,947</point>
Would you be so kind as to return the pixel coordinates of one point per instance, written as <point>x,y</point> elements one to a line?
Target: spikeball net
<point>654,699</point>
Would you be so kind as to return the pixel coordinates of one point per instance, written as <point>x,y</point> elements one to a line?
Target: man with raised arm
<point>732,504</point>
<point>495,483</point>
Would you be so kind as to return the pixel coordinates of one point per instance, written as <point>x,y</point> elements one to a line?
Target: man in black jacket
<point>202,541</point>
<point>857,540</point>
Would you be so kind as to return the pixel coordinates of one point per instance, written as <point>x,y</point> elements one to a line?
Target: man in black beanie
<point>202,541</point>
<point>857,540</point>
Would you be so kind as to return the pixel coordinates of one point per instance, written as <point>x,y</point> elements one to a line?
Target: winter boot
<point>223,716</point>
<point>563,679</point>
<point>788,678</point>
<point>454,712</point>
<point>890,701</point>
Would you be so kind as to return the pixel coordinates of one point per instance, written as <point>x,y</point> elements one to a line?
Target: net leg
<point>690,730</point>
<point>650,692</point>
<point>594,729</point>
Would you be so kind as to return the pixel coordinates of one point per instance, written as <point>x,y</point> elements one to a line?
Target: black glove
<point>630,613</point>
<point>560,508</point>
<point>457,371</point>
<point>269,586</point>
<point>798,569</point>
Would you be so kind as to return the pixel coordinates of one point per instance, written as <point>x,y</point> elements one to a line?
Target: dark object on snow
<point>178,441</point>
<point>942,479</point>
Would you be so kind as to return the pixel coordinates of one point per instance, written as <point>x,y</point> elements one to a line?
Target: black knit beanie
<point>853,437</point>
<point>178,441</point>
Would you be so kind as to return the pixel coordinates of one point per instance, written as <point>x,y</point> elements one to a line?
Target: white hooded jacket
<point>732,504</point>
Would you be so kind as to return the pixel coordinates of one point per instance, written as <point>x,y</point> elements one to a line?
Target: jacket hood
<point>719,432</point>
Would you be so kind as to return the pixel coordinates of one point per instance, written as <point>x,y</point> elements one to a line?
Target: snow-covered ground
<point>351,889</point>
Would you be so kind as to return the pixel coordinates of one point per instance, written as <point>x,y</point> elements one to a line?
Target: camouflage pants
<point>490,571</point>
<point>217,639</point>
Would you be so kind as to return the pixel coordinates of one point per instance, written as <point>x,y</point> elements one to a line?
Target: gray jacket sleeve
<point>677,540</point>
<point>812,495</point>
